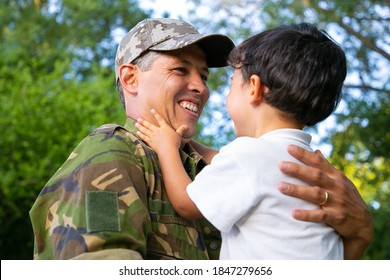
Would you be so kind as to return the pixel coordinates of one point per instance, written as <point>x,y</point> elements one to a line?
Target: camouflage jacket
<point>108,201</point>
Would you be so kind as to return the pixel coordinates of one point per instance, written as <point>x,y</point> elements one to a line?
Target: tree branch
<point>365,87</point>
<point>368,42</point>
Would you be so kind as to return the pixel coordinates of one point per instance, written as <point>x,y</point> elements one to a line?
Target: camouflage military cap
<point>162,34</point>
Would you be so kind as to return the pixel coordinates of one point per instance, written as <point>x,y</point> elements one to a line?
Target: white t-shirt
<point>238,193</point>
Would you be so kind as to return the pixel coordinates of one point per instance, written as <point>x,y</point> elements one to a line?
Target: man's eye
<point>204,78</point>
<point>181,70</point>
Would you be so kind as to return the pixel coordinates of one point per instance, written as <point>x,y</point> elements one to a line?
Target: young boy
<point>284,79</point>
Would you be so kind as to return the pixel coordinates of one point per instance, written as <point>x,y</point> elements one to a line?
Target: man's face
<point>176,87</point>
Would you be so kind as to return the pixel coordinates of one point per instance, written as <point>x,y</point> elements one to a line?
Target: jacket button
<point>214,244</point>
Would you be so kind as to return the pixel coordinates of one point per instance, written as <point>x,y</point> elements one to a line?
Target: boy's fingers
<point>145,127</point>
<point>144,124</point>
<point>142,136</point>
<point>158,117</point>
<point>181,130</point>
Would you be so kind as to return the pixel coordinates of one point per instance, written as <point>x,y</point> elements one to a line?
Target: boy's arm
<point>166,142</point>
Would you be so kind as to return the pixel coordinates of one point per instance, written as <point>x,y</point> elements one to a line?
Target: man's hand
<point>344,210</point>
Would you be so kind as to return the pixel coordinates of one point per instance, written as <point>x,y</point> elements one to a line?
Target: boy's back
<point>247,207</point>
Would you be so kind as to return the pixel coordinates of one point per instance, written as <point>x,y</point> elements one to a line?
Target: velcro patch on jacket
<point>102,211</point>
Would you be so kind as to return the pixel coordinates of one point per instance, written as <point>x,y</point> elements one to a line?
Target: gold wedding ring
<point>325,200</point>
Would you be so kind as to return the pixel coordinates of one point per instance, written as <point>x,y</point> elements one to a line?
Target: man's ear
<point>257,90</point>
<point>128,76</point>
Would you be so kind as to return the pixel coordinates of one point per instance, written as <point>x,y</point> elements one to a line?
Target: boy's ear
<point>128,76</point>
<point>258,90</point>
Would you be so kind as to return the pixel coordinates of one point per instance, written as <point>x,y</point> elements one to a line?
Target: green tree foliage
<point>56,86</point>
<point>360,135</point>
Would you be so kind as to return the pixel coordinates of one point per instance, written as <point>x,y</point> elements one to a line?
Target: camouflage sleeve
<point>94,206</point>
<point>110,254</point>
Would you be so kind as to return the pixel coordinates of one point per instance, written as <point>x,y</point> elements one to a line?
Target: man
<point>108,200</point>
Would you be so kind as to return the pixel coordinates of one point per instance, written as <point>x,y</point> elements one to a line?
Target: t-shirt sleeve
<point>223,191</point>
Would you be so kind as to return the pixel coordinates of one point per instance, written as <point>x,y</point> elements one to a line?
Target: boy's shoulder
<point>243,145</point>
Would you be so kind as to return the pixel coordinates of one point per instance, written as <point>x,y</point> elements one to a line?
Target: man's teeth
<point>190,106</point>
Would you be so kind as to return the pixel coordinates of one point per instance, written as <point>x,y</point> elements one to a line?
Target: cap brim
<point>216,46</point>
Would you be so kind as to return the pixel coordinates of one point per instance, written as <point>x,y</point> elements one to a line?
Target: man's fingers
<point>306,173</point>
<point>309,193</point>
<point>316,216</point>
<point>314,159</point>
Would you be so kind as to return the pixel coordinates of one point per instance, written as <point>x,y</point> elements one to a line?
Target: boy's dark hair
<point>302,66</point>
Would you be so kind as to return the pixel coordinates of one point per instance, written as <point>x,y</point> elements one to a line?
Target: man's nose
<point>198,84</point>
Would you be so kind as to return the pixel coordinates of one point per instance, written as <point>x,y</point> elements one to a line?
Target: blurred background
<point>57,86</point>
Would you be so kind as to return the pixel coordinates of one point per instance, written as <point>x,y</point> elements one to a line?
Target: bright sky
<point>175,8</point>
